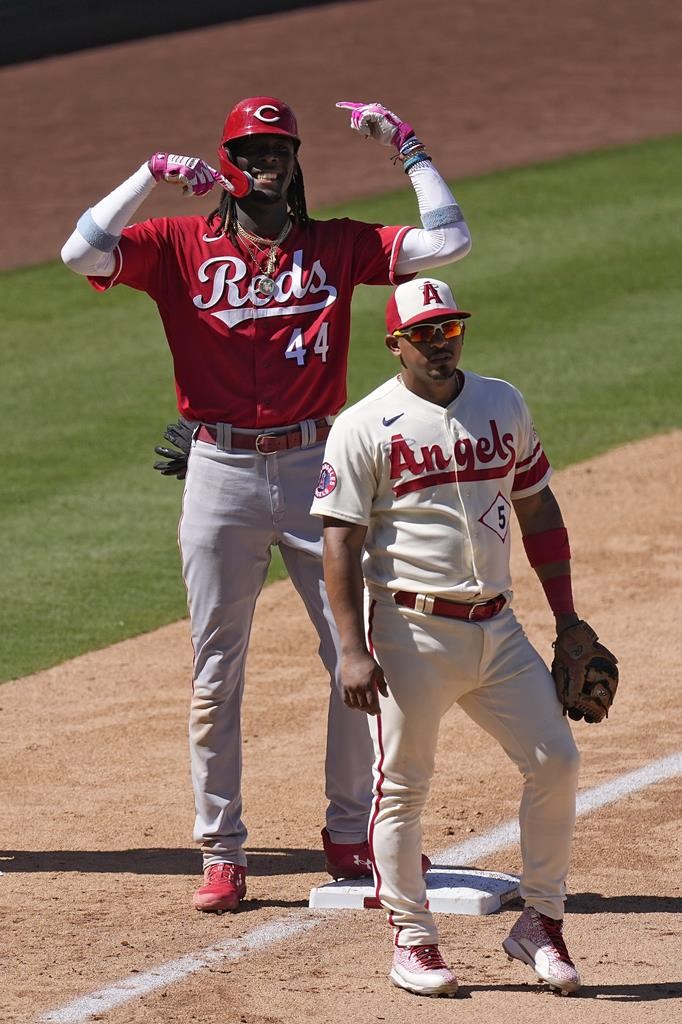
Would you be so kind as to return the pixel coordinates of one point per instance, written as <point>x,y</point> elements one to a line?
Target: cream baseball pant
<point>491,670</point>
<point>236,505</point>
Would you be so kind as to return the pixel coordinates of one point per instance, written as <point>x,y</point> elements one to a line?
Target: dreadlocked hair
<point>226,211</point>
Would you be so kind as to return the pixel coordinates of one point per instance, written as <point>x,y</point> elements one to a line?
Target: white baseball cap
<point>419,301</point>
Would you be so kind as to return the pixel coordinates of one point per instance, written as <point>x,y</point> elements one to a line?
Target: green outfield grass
<point>574,285</point>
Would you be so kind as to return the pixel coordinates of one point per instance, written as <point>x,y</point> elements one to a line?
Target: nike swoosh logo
<point>387,421</point>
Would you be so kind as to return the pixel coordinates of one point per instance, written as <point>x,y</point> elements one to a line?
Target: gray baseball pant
<point>236,505</point>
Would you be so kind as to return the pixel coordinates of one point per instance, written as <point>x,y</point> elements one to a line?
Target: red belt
<point>265,443</point>
<point>450,609</point>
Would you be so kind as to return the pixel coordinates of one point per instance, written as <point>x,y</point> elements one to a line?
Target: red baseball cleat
<point>537,940</point>
<point>352,860</point>
<point>346,860</point>
<point>422,970</point>
<point>224,886</point>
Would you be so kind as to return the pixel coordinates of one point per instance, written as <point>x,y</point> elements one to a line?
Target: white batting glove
<point>378,122</point>
<point>190,172</point>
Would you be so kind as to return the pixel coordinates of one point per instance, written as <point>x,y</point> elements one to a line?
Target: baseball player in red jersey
<point>422,476</point>
<point>255,302</point>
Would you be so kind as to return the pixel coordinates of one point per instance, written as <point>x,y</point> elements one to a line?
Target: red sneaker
<point>537,940</point>
<point>352,860</point>
<point>422,970</point>
<point>224,886</point>
<point>346,860</point>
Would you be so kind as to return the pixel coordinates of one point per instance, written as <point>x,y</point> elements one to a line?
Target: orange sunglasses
<point>425,332</point>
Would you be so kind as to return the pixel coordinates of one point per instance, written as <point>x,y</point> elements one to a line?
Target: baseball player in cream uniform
<point>416,492</point>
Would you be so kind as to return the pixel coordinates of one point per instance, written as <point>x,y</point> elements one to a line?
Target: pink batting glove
<point>193,174</point>
<point>378,122</point>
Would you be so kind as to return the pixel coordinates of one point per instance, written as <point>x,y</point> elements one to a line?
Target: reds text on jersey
<point>434,485</point>
<point>240,357</point>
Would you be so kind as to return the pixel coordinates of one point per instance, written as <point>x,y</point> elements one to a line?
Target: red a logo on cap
<point>431,294</point>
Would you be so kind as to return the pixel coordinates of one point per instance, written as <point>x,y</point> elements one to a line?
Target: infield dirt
<point>96,811</point>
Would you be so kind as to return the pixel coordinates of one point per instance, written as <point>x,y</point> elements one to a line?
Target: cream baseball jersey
<point>434,485</point>
<point>241,357</point>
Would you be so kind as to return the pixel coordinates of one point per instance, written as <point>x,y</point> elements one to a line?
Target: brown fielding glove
<point>585,673</point>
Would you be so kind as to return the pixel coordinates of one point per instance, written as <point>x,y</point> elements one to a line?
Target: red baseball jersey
<point>239,356</point>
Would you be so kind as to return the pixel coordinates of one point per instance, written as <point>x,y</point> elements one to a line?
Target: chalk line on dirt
<point>259,938</point>
<point>589,800</point>
<point>137,985</point>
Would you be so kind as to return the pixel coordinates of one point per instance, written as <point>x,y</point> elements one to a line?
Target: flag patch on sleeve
<point>327,481</point>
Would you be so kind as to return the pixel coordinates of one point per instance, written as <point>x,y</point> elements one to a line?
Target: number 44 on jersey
<point>297,350</point>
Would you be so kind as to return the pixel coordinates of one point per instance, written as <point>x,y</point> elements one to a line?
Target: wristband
<point>559,594</point>
<point>412,161</point>
<point>411,145</point>
<point>547,546</point>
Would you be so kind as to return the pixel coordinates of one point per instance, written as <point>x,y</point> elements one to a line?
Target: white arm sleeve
<point>90,249</point>
<point>445,236</point>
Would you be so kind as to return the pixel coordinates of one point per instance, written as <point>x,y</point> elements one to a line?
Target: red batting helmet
<point>257,115</point>
<point>260,115</point>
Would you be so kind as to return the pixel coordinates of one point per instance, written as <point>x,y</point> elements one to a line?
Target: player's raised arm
<point>445,236</point>
<point>90,249</point>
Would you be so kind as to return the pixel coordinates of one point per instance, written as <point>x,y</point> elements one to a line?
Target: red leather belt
<point>265,443</point>
<point>451,609</point>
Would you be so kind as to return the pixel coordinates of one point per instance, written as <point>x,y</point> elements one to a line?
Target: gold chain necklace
<point>264,283</point>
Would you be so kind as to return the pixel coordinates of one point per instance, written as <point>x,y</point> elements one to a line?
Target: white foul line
<point>135,986</point>
<point>589,800</point>
<point>167,974</point>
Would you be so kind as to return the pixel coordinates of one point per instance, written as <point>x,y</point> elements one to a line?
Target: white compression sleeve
<point>445,236</point>
<point>89,250</point>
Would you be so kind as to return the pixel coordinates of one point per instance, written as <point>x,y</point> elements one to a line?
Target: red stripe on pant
<point>379,786</point>
<point>375,902</point>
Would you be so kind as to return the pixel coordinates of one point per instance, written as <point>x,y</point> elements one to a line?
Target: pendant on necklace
<point>263,286</point>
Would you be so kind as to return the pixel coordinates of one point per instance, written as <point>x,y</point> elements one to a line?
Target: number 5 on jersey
<point>296,348</point>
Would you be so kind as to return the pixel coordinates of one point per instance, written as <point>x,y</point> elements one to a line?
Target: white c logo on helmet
<point>263,117</point>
